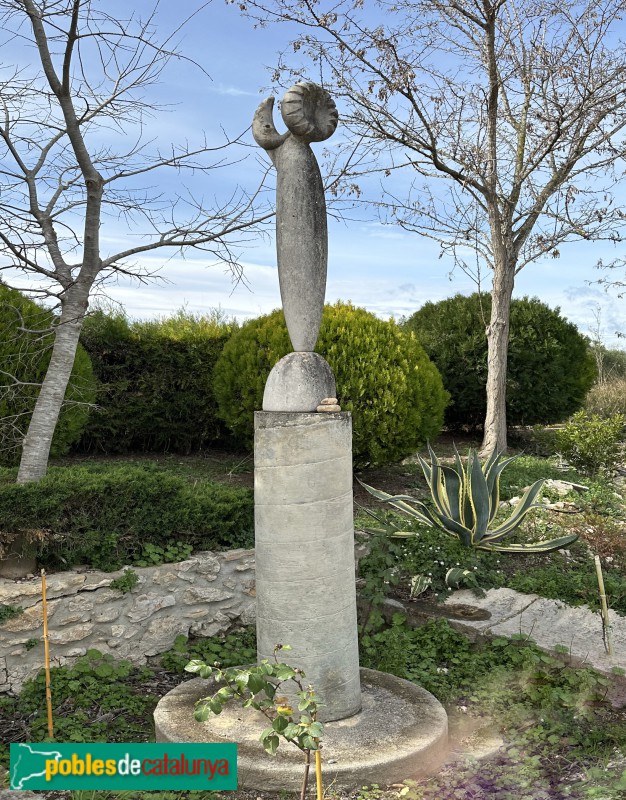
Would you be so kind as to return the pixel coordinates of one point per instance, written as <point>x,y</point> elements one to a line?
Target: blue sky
<point>387,270</point>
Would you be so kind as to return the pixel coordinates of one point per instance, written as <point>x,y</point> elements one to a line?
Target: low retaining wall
<point>203,595</point>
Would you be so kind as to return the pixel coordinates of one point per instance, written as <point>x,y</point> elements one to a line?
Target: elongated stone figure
<point>304,531</point>
<point>302,379</point>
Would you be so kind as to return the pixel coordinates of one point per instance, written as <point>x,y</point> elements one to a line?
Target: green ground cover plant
<point>101,699</point>
<point>552,715</point>
<point>126,582</point>
<point>231,650</point>
<point>559,733</point>
<point>118,515</point>
<point>8,612</point>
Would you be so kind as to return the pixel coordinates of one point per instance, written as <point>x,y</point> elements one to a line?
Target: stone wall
<point>203,595</point>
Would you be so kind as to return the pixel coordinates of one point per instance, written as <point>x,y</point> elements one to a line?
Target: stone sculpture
<point>302,379</point>
<point>378,728</point>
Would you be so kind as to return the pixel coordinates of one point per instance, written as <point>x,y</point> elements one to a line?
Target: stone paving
<point>549,623</point>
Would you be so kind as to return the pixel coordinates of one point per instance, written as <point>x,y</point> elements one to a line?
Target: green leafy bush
<point>98,699</point>
<point>107,518</point>
<point>592,444</point>
<point>155,392</point>
<point>550,367</point>
<point>383,377</point>
<point>9,612</point>
<point>25,355</point>
<point>230,650</point>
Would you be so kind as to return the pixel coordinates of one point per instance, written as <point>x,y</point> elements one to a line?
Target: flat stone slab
<point>401,732</point>
<point>548,622</point>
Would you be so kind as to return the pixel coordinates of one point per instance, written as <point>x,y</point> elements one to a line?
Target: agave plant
<point>466,502</point>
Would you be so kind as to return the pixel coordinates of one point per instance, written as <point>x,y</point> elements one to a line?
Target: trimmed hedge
<point>105,517</point>
<point>25,356</point>
<point>550,366</point>
<point>155,392</point>
<point>383,377</point>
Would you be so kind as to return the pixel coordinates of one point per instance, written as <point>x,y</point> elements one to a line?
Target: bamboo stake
<point>318,774</point>
<point>605,609</point>
<point>46,653</point>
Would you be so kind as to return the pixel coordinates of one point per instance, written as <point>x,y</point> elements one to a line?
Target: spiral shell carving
<point>309,112</point>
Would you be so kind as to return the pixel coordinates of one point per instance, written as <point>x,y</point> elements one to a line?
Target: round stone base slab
<point>401,732</point>
<point>298,382</point>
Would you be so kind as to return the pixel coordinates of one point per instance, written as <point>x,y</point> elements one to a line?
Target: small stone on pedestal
<point>329,404</point>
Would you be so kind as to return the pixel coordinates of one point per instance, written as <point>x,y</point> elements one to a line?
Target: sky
<point>380,267</point>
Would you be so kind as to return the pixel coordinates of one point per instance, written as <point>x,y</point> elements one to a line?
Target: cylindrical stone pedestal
<point>305,580</point>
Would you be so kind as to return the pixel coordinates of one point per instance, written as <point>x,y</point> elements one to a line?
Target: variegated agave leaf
<point>419,584</point>
<point>458,575</point>
<point>401,502</point>
<point>466,502</point>
<point>542,546</point>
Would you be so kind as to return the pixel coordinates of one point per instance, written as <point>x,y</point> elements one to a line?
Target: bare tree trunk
<point>36,446</point>
<point>495,436</point>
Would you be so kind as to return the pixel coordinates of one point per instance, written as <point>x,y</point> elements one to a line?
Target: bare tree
<point>77,154</point>
<point>509,113</point>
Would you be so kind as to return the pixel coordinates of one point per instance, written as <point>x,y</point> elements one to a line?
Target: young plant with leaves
<point>258,687</point>
<point>466,501</point>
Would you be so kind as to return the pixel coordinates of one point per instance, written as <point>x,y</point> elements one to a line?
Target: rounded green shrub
<point>26,339</point>
<point>155,392</point>
<point>550,366</point>
<point>591,443</point>
<point>383,377</point>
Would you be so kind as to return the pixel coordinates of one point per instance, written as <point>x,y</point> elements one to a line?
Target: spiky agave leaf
<point>401,502</point>
<point>423,515</point>
<point>493,469</point>
<point>467,500</point>
<point>419,584</point>
<point>542,546</point>
<point>526,504</point>
<point>479,499</point>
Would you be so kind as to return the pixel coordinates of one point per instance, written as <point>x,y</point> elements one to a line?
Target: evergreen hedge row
<point>155,392</point>
<point>105,517</point>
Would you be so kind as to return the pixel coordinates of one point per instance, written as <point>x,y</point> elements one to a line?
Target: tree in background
<point>517,106</point>
<point>25,334</point>
<point>78,150</point>
<point>550,365</point>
